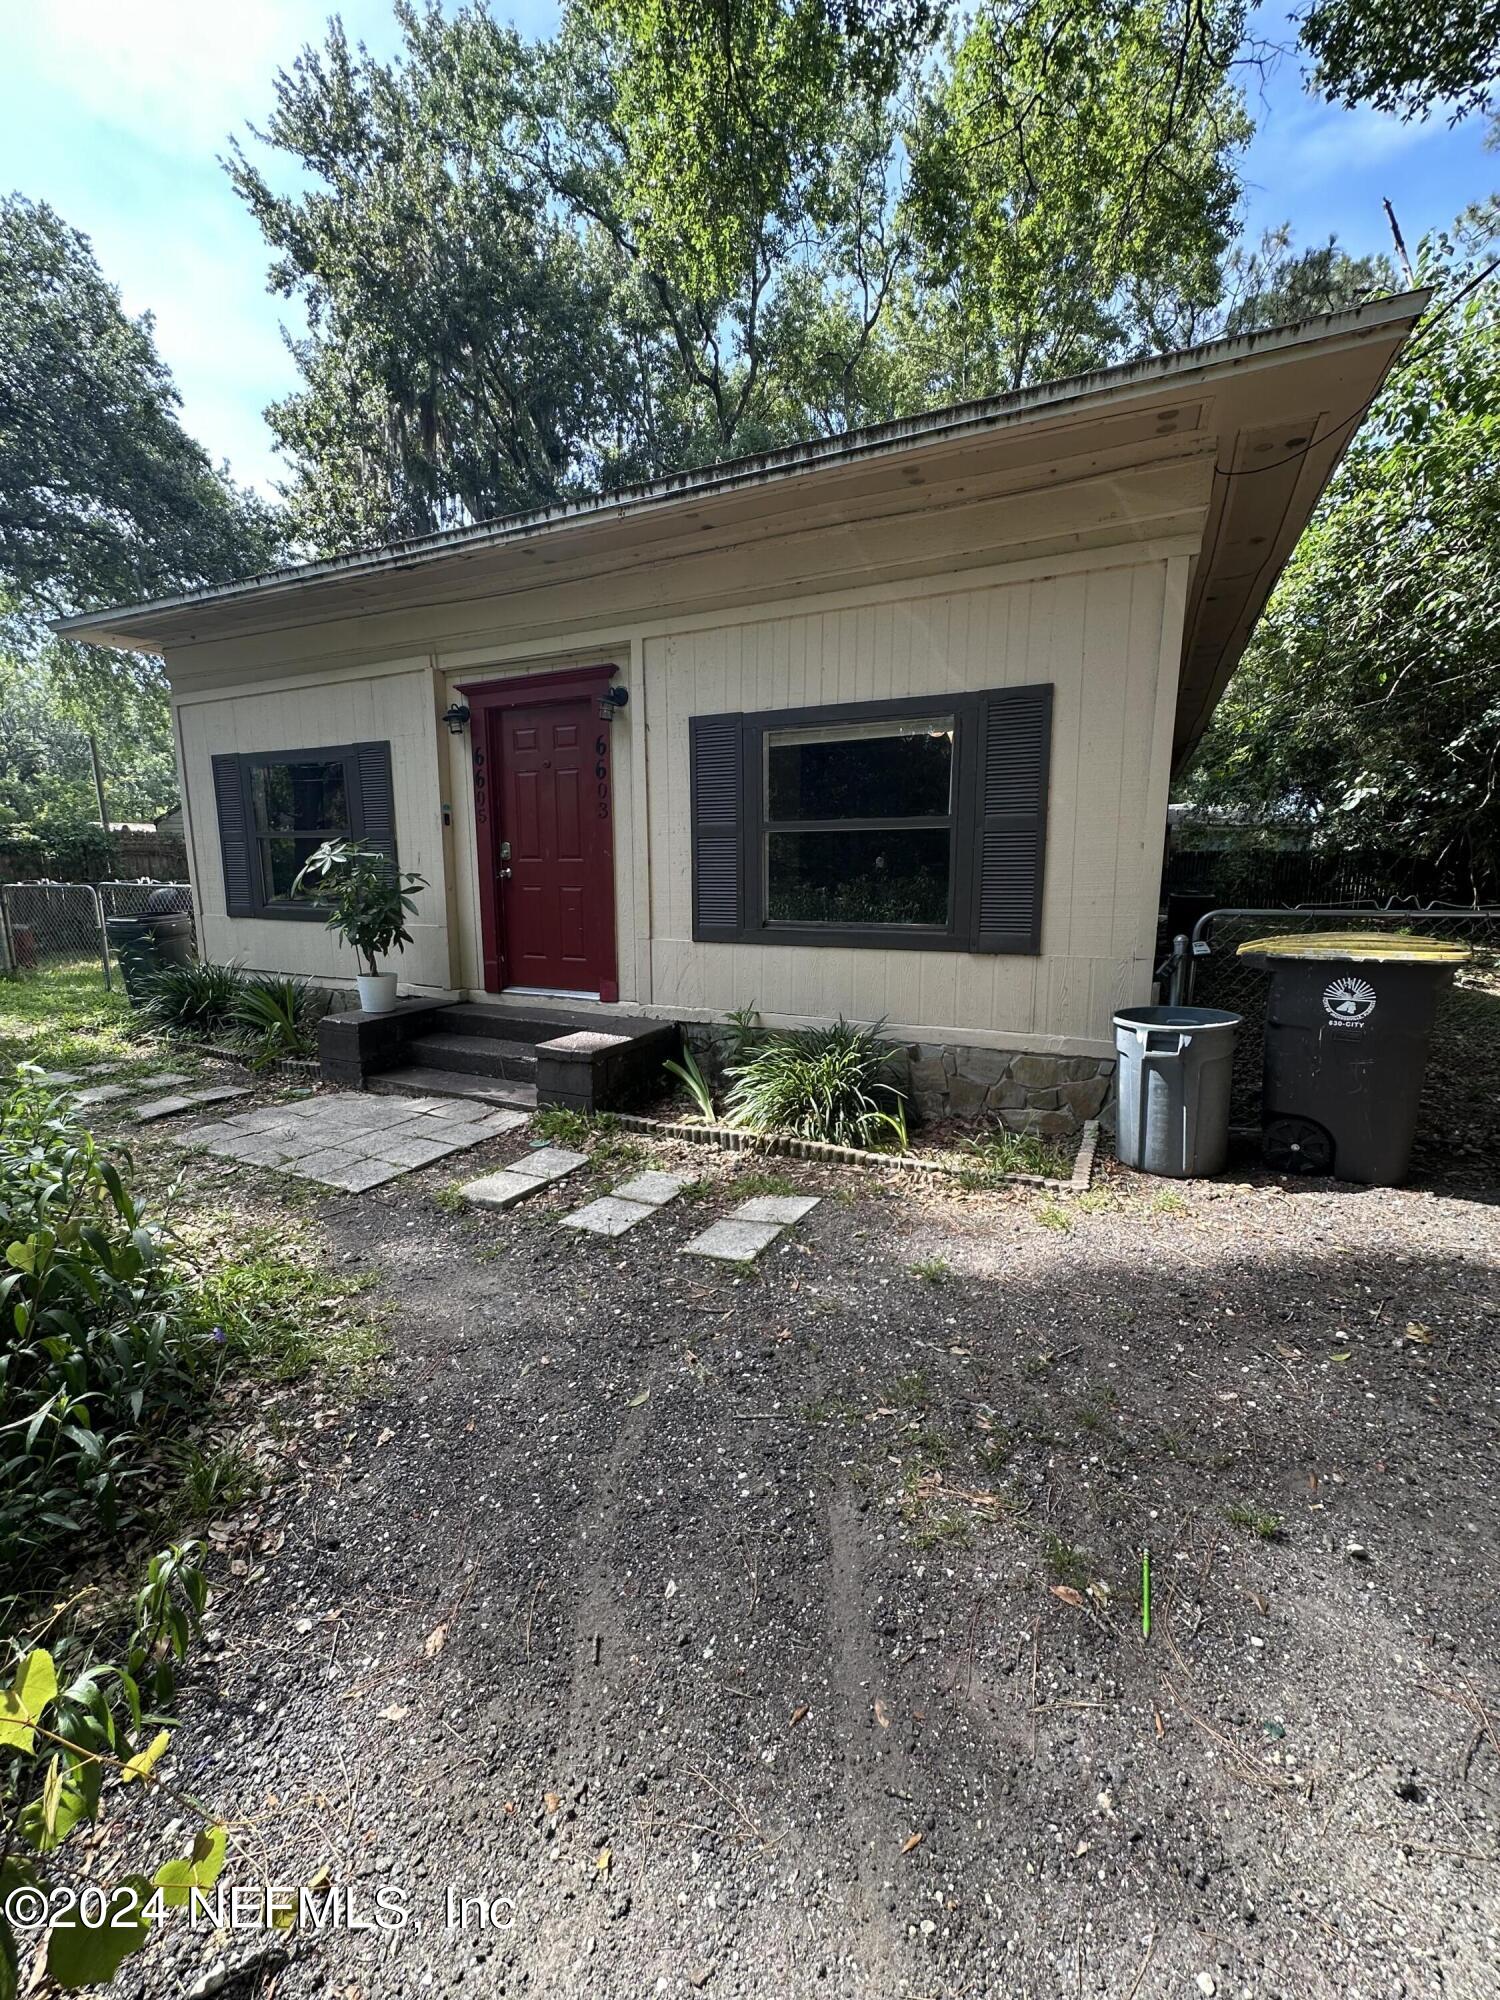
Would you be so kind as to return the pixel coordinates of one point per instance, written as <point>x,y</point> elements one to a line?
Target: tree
<point>1074,183</point>
<point>1403,59</point>
<point>681,230</point>
<point>103,495</point>
<point>1367,705</point>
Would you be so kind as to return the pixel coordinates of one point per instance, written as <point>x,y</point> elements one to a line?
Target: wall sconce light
<point>610,701</point>
<point>456,718</point>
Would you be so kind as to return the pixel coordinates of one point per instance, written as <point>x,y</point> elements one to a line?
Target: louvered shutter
<point>374,796</point>
<point>236,839</point>
<point>717,768</point>
<point>1015,743</point>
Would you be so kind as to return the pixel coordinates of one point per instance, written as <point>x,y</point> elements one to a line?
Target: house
<point>880,725</point>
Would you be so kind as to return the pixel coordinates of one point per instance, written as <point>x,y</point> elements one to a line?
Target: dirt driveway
<point>778,1634</point>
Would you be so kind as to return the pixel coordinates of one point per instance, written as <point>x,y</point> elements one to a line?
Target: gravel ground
<point>778,1634</point>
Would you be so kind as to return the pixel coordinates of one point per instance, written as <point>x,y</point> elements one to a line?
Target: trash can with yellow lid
<point>1347,1027</point>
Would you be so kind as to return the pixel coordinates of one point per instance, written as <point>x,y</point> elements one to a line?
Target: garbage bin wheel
<point>1297,1146</point>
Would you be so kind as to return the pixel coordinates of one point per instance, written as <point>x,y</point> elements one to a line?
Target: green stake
<point>1145,1593</point>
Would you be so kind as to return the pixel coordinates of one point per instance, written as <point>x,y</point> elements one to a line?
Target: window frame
<point>247,763</point>
<point>958,822</point>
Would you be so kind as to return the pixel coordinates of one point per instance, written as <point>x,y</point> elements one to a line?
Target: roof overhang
<point>1269,413</point>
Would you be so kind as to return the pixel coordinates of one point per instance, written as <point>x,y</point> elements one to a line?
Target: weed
<point>930,1450</point>
<point>1265,1527</point>
<point>283,1315</point>
<point>911,1392</point>
<point>560,1126</point>
<point>1168,1203</point>
<point>832,1410</point>
<point>699,1190</point>
<point>450,1198</point>
<point>1097,1201</point>
<point>696,1084</point>
<point>214,1482</point>
<point>1068,1563</point>
<point>931,1530</point>
<point>1051,1216</point>
<point>998,1155</point>
<point>932,1270</point>
<point>994,1451</point>
<point>745,1185</point>
<point>65,1018</point>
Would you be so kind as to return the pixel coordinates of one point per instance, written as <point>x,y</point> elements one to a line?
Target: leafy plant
<point>998,1155</point>
<point>278,1016</point>
<point>73,1720</point>
<point>820,1083</point>
<point>367,895</point>
<point>103,1347</point>
<point>200,998</point>
<point>688,1072</point>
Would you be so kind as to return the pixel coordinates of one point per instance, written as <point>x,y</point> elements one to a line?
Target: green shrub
<point>198,998</point>
<point>103,1349</point>
<point>820,1083</point>
<point>278,1017</point>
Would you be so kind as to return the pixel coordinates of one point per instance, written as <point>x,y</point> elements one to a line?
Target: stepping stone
<point>733,1241</point>
<point>102,1093</point>
<point>651,1190</point>
<point>102,1068</point>
<point>522,1177</point>
<point>168,1107</point>
<point>778,1208</point>
<point>58,1076</point>
<point>609,1216</point>
<point>165,1081</point>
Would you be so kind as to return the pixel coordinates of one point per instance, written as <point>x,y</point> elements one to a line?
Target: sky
<point>117,112</point>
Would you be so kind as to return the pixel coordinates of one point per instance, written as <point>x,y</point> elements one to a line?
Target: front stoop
<point>498,1055</point>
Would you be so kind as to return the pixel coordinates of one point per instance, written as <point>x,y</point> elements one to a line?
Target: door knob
<point>504,874</point>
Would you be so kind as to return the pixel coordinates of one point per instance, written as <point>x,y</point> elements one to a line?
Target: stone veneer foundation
<point>1052,1096</point>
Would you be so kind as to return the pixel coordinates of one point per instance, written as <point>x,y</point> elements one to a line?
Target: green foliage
<point>820,1083</point>
<point>561,1126</point>
<point>1265,1527</point>
<point>1074,190</point>
<point>675,233</point>
<point>103,1351</point>
<point>74,1720</point>
<point>998,1155</point>
<point>48,803</point>
<point>280,1311</point>
<point>1401,59</point>
<point>1366,709</point>
<point>278,1016</point>
<point>367,896</point>
<point>696,1083</point>
<point>65,1018</point>
<point>200,998</point>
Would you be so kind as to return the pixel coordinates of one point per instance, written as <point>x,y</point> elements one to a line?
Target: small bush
<point>198,998</point>
<point>278,1017</point>
<point>820,1083</point>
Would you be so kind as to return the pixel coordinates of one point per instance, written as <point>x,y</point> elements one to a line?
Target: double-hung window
<point>276,808</point>
<point>914,824</point>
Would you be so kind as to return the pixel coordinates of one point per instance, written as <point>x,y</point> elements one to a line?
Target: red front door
<point>555,847</point>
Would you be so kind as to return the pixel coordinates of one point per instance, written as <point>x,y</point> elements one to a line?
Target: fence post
<point>7,942</point>
<point>1177,988</point>
<point>109,984</point>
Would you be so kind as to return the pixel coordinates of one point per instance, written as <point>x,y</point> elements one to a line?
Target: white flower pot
<point>377,992</point>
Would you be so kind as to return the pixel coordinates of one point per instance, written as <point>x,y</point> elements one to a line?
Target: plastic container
<point>1173,1083</point>
<point>1348,1024</point>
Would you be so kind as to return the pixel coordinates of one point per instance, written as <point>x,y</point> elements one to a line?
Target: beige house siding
<point>1108,642</point>
<point>393,705</point>
<point>1102,624</point>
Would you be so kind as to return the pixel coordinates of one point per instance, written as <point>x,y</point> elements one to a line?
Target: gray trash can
<point>1173,1083</point>
<point>1347,1027</point>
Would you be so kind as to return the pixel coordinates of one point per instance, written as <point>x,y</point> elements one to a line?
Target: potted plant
<point>367,898</point>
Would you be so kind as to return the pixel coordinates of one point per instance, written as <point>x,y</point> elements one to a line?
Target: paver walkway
<point>623,1207</point>
<point>740,1236</point>
<point>352,1140</point>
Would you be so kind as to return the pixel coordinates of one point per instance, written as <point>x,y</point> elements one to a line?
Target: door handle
<point>503,873</point>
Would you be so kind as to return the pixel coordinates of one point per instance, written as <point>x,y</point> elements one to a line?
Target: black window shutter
<point>1015,744</point>
<point>715,755</point>
<point>236,844</point>
<point>373,800</point>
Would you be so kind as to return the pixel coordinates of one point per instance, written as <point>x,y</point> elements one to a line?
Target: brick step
<point>477,1055</point>
<point>476,1018</point>
<point>417,1081</point>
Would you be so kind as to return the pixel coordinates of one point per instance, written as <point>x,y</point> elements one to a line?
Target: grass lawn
<point>66,1017</point>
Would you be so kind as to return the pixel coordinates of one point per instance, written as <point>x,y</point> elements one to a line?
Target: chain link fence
<point>46,924</point>
<point>1461,1099</point>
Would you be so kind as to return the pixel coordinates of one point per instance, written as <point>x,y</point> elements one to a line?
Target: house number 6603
<point>601,776</point>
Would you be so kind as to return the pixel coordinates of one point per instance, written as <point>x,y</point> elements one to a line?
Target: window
<point>908,824</point>
<point>275,809</point>
<point>859,823</point>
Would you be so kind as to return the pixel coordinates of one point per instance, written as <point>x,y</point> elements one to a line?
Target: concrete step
<point>478,1055</point>
<point>419,1081</point>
